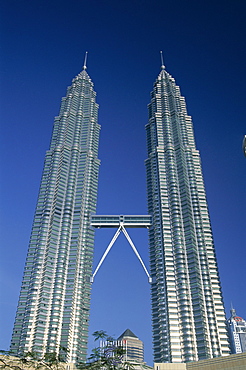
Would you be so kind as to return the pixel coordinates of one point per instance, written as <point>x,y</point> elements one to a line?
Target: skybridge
<point>121,222</point>
<point>115,221</point>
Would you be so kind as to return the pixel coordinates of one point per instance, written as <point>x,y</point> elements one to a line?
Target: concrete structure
<point>54,303</point>
<point>232,362</point>
<point>188,315</point>
<point>237,332</point>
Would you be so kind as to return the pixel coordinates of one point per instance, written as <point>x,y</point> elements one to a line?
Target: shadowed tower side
<point>54,303</point>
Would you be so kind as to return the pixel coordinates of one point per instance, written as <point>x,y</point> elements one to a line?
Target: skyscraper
<point>54,301</point>
<point>237,332</point>
<point>187,307</point>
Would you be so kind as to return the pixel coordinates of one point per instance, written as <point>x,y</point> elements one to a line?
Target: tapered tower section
<point>187,307</point>
<point>53,308</point>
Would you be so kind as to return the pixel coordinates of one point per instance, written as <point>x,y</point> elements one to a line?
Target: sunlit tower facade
<point>53,308</point>
<point>188,315</point>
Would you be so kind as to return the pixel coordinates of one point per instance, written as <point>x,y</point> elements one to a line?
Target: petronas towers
<point>187,307</point>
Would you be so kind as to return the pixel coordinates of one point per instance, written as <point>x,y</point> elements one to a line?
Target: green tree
<point>32,360</point>
<point>108,356</point>
<point>100,334</point>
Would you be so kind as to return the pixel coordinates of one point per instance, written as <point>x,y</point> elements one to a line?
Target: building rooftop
<point>127,333</point>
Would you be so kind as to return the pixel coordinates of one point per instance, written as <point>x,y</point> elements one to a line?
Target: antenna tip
<point>84,66</point>
<point>162,63</point>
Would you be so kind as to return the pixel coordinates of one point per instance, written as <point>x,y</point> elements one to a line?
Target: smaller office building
<point>133,346</point>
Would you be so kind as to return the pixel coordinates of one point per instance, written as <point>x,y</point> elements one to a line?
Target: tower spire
<point>84,66</point>
<point>162,62</point>
<point>233,311</point>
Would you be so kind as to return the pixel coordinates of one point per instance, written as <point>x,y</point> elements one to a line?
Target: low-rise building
<point>232,362</point>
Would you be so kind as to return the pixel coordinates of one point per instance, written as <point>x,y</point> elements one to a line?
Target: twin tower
<point>187,307</point>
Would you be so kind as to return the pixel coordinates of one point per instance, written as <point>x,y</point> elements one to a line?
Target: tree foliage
<point>31,360</point>
<point>108,356</point>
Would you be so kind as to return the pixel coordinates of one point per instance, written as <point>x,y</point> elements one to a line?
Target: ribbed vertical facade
<point>53,308</point>
<point>187,307</point>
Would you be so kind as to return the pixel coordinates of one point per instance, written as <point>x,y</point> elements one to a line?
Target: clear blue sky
<point>42,49</point>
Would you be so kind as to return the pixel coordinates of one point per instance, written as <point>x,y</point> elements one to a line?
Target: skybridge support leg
<point>136,252</point>
<point>106,252</point>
